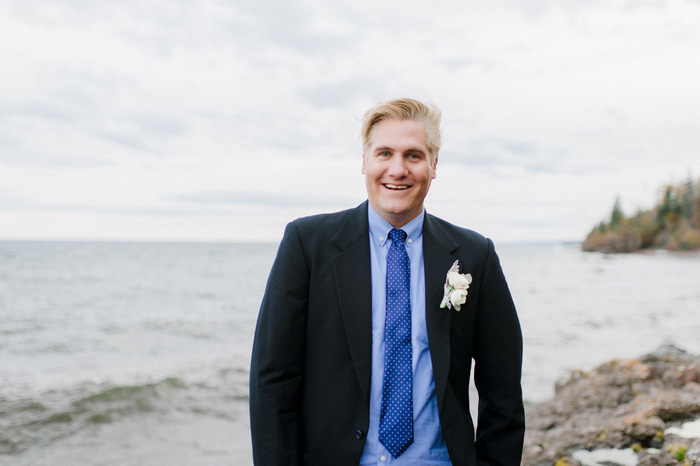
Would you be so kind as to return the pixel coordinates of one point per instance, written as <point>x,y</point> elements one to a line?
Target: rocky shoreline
<point>626,412</point>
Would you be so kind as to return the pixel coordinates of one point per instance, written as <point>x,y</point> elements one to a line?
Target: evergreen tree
<point>688,198</point>
<point>616,216</point>
<point>667,206</point>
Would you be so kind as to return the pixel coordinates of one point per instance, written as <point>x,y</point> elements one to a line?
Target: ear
<point>364,165</point>
<point>435,166</point>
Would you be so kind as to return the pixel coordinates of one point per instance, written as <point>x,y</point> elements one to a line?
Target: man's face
<point>398,170</point>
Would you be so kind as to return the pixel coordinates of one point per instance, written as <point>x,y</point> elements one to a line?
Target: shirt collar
<point>379,227</point>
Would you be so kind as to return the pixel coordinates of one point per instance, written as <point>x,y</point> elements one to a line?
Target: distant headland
<point>673,224</point>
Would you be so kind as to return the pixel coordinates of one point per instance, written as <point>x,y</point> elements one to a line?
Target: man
<point>355,362</point>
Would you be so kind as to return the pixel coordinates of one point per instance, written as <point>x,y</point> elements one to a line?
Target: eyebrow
<point>410,149</point>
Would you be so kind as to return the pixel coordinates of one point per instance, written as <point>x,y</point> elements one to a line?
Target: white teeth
<point>393,186</point>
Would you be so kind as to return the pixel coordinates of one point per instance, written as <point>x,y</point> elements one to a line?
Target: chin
<point>397,211</point>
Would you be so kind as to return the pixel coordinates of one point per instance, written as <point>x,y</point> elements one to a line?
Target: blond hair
<point>405,109</point>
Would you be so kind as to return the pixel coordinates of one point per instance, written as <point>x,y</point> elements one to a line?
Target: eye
<point>415,156</point>
<point>384,154</point>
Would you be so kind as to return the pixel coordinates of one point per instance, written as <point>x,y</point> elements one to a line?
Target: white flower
<point>458,297</point>
<point>458,280</point>
<point>456,287</point>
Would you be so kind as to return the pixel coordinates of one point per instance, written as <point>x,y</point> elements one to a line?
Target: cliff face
<point>673,224</point>
<point>632,409</point>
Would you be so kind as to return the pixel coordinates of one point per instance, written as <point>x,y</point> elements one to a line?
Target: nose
<point>398,167</point>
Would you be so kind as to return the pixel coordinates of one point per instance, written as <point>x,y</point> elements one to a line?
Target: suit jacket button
<point>359,434</point>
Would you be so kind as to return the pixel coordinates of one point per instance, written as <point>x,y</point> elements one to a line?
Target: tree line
<point>673,224</point>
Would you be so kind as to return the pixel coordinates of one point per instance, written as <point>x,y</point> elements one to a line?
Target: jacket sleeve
<point>497,370</point>
<point>276,371</point>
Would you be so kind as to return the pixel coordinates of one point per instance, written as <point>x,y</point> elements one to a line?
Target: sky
<point>224,120</point>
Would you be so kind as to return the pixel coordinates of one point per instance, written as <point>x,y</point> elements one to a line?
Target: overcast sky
<point>224,120</point>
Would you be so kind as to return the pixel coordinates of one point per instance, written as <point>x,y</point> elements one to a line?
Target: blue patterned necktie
<point>396,421</point>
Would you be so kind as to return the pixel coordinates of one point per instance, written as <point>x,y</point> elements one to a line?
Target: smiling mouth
<point>396,187</point>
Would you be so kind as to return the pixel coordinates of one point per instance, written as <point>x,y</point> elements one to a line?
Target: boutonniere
<point>456,287</point>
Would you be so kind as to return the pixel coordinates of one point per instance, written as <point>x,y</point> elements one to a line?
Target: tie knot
<point>397,236</point>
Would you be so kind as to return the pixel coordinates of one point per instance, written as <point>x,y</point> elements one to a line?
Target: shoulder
<point>475,252</point>
<point>463,237</point>
<point>324,221</point>
<point>339,228</point>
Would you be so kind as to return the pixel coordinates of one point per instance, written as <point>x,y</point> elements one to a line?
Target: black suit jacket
<point>311,364</point>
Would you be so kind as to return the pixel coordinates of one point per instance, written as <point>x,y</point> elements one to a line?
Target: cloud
<point>261,198</point>
<point>506,152</point>
<point>213,108</point>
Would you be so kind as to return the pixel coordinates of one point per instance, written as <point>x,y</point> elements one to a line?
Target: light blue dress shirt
<point>428,446</point>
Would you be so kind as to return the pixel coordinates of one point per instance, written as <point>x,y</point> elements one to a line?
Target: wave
<point>28,422</point>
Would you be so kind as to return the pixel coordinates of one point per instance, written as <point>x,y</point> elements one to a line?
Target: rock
<point>620,405</point>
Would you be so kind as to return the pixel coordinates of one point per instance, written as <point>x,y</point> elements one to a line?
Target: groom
<point>363,351</point>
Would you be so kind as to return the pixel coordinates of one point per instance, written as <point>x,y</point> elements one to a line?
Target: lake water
<point>138,353</point>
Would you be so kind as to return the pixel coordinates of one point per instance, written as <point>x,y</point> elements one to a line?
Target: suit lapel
<point>438,247</point>
<point>353,277</point>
